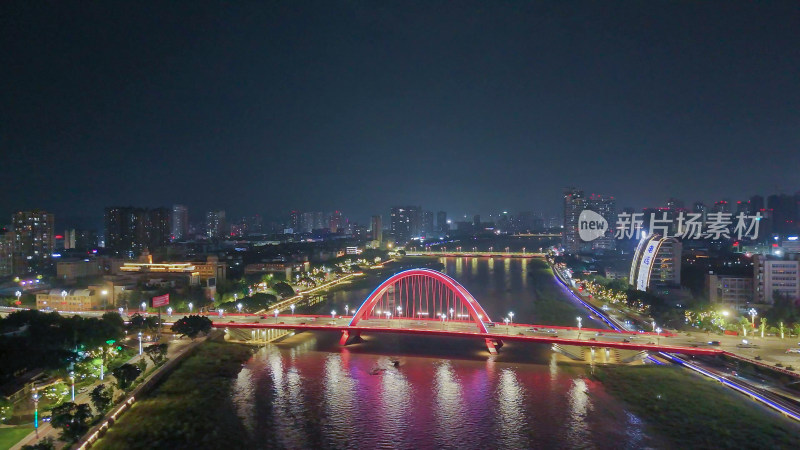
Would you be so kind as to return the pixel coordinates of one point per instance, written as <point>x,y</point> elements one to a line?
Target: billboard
<point>161,300</point>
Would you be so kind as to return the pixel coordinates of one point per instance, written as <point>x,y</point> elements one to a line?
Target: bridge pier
<point>348,338</point>
<point>493,345</point>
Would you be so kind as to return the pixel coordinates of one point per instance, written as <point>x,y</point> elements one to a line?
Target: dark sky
<point>263,107</point>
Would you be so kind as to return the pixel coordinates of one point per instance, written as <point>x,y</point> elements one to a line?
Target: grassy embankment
<point>696,413</point>
<point>192,408</point>
<point>11,435</point>
<point>549,306</point>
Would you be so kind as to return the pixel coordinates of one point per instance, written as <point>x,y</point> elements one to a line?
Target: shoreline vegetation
<point>695,413</point>
<point>192,408</point>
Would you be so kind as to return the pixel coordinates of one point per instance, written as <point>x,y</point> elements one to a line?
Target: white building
<point>774,275</point>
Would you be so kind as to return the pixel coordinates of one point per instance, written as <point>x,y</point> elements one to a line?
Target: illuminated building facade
<point>656,263</point>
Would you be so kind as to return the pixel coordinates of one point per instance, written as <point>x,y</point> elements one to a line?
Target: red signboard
<point>161,300</point>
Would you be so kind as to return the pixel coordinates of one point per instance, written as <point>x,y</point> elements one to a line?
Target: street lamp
<point>753,313</point>
<point>506,320</point>
<point>399,311</point>
<point>121,310</point>
<point>511,317</point>
<point>104,293</point>
<point>276,315</point>
<point>451,313</point>
<point>144,307</point>
<point>190,307</point>
<point>346,310</point>
<point>443,316</point>
<point>292,308</point>
<point>169,310</point>
<point>658,333</point>
<point>36,412</point>
<point>18,294</point>
<point>333,314</point>
<point>654,325</point>
<point>239,307</point>
<point>579,326</point>
<point>220,311</point>
<point>140,342</point>
<point>63,297</point>
<point>72,381</point>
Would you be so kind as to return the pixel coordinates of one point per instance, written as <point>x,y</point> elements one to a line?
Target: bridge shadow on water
<point>399,345</point>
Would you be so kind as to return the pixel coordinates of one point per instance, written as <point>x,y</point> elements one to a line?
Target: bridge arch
<point>422,294</point>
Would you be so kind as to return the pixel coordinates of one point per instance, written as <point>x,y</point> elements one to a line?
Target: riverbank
<point>191,408</point>
<point>549,307</point>
<point>695,412</point>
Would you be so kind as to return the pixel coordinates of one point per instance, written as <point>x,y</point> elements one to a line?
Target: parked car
<point>793,350</point>
<point>714,343</point>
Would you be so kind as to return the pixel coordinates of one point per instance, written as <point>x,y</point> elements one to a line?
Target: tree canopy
<point>192,326</point>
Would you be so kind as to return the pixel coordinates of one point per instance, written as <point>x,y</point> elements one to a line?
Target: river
<point>421,392</point>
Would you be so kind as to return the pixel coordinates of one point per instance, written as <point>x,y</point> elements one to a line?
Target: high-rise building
<point>6,252</point>
<point>129,231</point>
<point>656,263</point>
<point>294,221</point>
<point>756,204</point>
<point>336,222</point>
<point>307,222</point>
<point>427,228</point>
<point>441,222</point>
<point>376,228</point>
<point>81,240</point>
<point>405,223</point>
<point>180,222</point>
<point>34,241</point>
<point>722,206</point>
<point>774,276</point>
<point>255,225</point>
<point>216,226</point>
<point>574,203</point>
<point>700,208</point>
<point>784,213</point>
<point>674,204</point>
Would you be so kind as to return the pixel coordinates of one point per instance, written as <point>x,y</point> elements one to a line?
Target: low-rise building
<point>72,270</point>
<point>69,300</point>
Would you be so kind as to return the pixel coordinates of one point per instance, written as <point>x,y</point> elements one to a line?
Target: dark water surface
<point>417,392</point>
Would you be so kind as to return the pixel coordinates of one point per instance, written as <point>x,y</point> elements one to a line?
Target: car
<point>714,343</point>
<point>598,334</point>
<point>627,341</point>
<point>793,350</point>
<point>747,345</point>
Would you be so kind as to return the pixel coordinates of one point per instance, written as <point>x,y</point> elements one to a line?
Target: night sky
<point>263,107</point>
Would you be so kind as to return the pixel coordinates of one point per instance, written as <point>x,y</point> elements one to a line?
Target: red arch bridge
<point>430,303</point>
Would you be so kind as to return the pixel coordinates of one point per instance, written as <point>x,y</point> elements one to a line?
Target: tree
<point>156,353</point>
<point>763,325</point>
<point>101,397</point>
<point>142,364</point>
<point>45,444</point>
<point>72,419</point>
<point>125,374</point>
<point>284,290</point>
<point>191,326</point>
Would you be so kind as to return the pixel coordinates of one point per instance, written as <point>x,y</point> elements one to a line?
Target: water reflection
<point>511,411</point>
<point>449,407</point>
<point>329,397</point>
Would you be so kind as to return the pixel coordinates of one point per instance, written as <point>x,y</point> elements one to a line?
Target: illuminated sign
<point>161,300</point>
